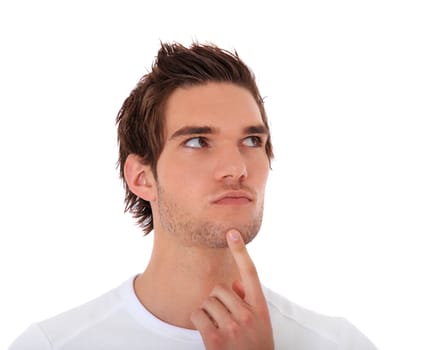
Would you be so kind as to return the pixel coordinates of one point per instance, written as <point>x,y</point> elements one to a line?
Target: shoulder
<point>32,338</point>
<point>61,328</point>
<point>295,325</point>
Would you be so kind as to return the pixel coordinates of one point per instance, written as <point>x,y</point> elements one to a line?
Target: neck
<point>179,278</point>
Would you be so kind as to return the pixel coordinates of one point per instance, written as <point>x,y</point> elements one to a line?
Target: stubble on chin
<point>193,232</point>
<point>212,235</point>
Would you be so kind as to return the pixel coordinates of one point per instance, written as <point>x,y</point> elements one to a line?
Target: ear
<point>139,178</point>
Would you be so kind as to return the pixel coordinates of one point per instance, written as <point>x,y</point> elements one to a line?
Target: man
<point>195,152</point>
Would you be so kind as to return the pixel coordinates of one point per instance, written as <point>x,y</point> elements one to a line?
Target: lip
<point>233,197</point>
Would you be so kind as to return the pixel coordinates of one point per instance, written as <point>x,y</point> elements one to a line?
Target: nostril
<point>236,173</point>
<point>230,165</point>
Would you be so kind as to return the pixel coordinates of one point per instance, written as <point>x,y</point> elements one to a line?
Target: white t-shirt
<point>118,321</point>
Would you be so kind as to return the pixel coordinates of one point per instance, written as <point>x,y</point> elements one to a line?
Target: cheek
<point>259,170</point>
<point>182,178</point>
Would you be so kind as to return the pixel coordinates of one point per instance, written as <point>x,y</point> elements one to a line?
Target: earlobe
<point>139,177</point>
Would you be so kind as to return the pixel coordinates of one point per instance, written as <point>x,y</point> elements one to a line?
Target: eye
<point>253,141</point>
<point>196,142</point>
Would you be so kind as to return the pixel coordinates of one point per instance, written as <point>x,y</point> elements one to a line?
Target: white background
<point>347,88</point>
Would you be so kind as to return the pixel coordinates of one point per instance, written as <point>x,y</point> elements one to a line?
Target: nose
<point>230,165</point>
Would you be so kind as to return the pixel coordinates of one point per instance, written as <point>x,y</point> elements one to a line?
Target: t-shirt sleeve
<point>33,338</point>
<point>351,338</point>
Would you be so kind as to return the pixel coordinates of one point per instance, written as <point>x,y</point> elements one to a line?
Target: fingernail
<point>233,235</point>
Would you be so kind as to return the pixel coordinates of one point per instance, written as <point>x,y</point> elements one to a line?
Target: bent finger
<point>202,321</point>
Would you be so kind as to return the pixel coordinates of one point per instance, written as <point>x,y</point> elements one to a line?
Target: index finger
<point>248,272</point>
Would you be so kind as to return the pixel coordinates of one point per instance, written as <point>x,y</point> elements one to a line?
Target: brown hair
<point>140,120</point>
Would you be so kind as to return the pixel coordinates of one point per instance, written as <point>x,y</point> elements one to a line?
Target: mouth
<point>233,198</point>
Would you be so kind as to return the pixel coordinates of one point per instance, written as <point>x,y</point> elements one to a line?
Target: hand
<point>237,317</point>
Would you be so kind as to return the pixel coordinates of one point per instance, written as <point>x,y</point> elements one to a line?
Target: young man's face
<point>212,172</point>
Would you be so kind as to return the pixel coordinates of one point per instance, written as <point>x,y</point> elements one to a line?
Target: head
<point>142,118</point>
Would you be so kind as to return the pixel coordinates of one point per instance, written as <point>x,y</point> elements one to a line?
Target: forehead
<point>220,105</point>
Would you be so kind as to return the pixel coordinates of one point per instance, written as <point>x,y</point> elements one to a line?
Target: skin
<point>207,203</point>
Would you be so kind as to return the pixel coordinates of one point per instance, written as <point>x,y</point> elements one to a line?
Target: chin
<point>214,235</point>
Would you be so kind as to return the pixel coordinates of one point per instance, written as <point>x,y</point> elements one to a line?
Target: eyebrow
<point>193,130</point>
<point>256,129</point>
<point>198,130</point>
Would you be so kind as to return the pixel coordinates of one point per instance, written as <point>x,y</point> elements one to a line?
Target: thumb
<point>238,289</point>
